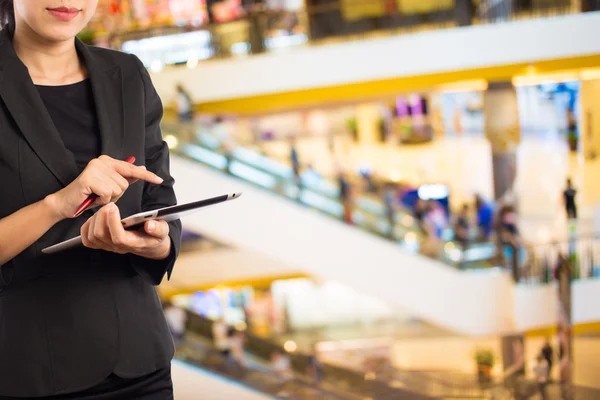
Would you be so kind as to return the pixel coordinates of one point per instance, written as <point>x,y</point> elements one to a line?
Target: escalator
<point>302,230</point>
<point>337,383</point>
<point>340,382</point>
<point>189,380</point>
<point>198,352</point>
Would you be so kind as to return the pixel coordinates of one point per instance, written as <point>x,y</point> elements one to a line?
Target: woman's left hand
<point>104,231</point>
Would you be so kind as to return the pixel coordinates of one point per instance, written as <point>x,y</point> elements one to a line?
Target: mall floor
<point>465,164</point>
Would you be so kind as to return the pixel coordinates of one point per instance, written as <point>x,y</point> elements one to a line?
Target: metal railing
<point>582,253</point>
<point>262,29</point>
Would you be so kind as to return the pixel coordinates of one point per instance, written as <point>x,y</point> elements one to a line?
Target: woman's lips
<point>64,13</point>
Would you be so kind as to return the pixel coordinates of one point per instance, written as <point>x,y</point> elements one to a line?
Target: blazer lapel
<point>29,112</point>
<point>107,85</point>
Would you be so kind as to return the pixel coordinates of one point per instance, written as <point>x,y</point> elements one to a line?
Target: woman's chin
<point>60,32</point>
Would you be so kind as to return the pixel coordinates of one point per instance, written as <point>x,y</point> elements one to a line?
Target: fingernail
<point>151,225</point>
<point>112,208</point>
<point>143,166</point>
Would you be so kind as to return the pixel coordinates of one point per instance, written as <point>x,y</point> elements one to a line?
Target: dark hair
<point>7,13</point>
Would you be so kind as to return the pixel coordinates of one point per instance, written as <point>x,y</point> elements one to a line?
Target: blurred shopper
<point>434,223</point>
<point>590,5</point>
<point>176,319</point>
<point>366,174</point>
<point>256,24</point>
<point>462,230</point>
<point>508,231</point>
<point>346,197</point>
<point>540,371</point>
<point>295,161</point>
<point>185,112</point>
<point>221,133</point>
<point>390,198</point>
<point>548,353</point>
<point>315,368</point>
<point>464,12</point>
<point>485,218</point>
<point>569,200</point>
<point>237,353</point>
<point>281,366</point>
<point>220,338</point>
<point>185,105</point>
<point>419,212</point>
<point>436,220</point>
<point>508,241</point>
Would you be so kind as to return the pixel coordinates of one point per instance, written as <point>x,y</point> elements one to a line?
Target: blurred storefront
<point>216,27</point>
<point>287,306</point>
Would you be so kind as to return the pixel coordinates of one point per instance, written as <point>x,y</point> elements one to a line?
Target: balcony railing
<point>260,29</point>
<point>581,254</point>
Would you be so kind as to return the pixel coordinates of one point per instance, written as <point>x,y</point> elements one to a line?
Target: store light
<point>395,176</point>
<point>240,48</point>
<point>290,346</point>
<point>241,326</point>
<point>171,141</point>
<point>433,192</point>
<point>410,237</point>
<point>192,63</point>
<point>284,41</point>
<point>475,85</point>
<point>396,384</point>
<point>590,74</point>
<point>539,79</point>
<point>156,66</point>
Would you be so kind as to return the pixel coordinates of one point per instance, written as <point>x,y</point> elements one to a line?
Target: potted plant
<point>382,128</point>
<point>352,126</point>
<point>572,139</point>
<point>485,360</point>
<point>574,263</point>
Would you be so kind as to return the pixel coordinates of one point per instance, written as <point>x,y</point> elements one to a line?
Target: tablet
<point>136,221</point>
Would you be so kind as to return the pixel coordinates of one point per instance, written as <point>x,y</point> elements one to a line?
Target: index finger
<point>133,172</point>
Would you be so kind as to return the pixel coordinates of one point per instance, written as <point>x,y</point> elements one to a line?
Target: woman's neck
<point>49,63</point>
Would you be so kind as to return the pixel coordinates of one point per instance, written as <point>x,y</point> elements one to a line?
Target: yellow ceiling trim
<point>277,102</point>
<point>579,329</point>
<point>166,291</point>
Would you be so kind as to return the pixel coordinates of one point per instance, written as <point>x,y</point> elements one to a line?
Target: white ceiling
<point>217,266</point>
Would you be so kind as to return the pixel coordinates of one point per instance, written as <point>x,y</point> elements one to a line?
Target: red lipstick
<point>64,13</point>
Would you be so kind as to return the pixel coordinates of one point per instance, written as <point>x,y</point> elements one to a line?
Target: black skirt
<point>156,386</point>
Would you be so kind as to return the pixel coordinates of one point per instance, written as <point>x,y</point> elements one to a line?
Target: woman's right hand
<point>105,177</point>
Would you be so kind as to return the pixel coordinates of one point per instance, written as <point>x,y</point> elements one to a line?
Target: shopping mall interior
<point>420,216</point>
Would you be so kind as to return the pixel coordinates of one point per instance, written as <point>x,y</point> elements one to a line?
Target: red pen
<point>88,202</point>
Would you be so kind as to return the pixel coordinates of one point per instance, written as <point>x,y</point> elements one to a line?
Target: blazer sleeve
<point>156,196</point>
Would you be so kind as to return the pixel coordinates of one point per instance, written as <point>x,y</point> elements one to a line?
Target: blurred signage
<point>433,192</point>
<point>224,10</point>
<point>156,52</point>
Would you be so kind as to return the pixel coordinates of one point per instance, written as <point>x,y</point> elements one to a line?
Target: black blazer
<point>69,320</point>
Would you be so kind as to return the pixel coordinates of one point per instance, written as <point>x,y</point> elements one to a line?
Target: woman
<point>85,323</point>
